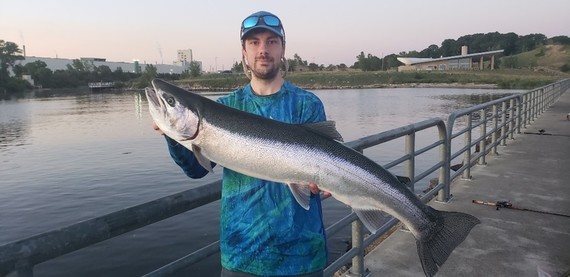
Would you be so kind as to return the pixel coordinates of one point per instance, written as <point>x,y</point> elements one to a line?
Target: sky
<point>320,31</point>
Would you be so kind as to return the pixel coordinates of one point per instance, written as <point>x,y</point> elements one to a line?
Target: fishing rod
<point>509,205</point>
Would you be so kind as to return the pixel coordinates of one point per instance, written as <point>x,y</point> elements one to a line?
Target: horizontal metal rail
<point>497,121</point>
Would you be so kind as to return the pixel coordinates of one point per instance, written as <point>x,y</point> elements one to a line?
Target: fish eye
<point>170,101</point>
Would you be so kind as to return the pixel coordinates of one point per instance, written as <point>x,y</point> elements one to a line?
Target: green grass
<point>501,78</point>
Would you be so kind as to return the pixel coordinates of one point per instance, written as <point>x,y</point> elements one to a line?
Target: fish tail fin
<point>435,248</point>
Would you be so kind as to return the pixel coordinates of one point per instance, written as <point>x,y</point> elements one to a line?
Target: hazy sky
<point>321,31</point>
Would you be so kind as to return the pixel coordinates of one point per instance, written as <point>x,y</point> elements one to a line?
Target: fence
<point>507,116</point>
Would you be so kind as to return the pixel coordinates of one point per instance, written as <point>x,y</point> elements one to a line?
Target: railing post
<point>483,142</point>
<point>513,118</point>
<point>541,101</point>
<point>533,105</point>
<point>504,124</point>
<point>495,127</point>
<point>467,156</point>
<point>411,162</point>
<point>357,268</point>
<point>524,107</point>
<point>445,172</point>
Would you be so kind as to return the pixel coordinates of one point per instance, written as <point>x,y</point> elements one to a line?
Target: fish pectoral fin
<point>325,128</point>
<point>372,219</point>
<point>302,194</point>
<point>203,161</point>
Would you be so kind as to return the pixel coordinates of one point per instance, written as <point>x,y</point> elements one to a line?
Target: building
<point>61,64</point>
<point>464,61</point>
<point>184,56</point>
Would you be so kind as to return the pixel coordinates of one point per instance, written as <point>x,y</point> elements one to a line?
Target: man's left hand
<point>315,190</point>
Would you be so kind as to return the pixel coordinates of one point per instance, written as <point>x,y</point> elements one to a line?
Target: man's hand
<point>155,127</point>
<point>315,190</point>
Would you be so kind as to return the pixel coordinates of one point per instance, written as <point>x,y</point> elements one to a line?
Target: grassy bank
<point>500,78</point>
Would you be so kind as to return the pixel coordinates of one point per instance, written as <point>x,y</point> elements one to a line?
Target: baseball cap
<point>262,20</point>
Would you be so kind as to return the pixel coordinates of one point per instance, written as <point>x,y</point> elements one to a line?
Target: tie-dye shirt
<point>263,230</point>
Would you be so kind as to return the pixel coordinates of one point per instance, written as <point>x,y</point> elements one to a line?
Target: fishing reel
<point>503,204</point>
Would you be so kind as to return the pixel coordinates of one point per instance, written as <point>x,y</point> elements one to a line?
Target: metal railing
<point>507,116</point>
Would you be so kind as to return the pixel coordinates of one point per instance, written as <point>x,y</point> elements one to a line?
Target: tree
<point>530,42</point>
<point>431,52</point>
<point>9,54</point>
<point>299,60</point>
<point>120,75</point>
<point>391,61</point>
<point>560,40</point>
<point>313,67</point>
<point>40,73</point>
<point>237,67</point>
<point>150,72</point>
<point>103,73</point>
<point>296,63</point>
<point>368,62</point>
<point>195,69</point>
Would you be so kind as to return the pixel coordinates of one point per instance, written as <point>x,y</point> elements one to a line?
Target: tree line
<point>511,43</point>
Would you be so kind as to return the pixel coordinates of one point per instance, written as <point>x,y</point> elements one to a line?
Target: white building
<point>61,64</point>
<point>184,56</point>
<point>465,61</point>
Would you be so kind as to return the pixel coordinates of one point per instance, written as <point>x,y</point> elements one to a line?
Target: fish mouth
<point>152,97</point>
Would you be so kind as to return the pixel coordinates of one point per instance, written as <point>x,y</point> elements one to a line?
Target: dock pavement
<point>531,172</point>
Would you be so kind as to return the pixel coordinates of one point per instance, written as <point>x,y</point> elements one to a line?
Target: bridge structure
<point>515,148</point>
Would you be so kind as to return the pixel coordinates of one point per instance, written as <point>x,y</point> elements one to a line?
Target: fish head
<point>173,110</point>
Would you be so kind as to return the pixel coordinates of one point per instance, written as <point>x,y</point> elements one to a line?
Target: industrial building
<point>183,62</point>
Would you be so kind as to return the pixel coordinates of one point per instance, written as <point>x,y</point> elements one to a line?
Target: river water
<point>70,156</point>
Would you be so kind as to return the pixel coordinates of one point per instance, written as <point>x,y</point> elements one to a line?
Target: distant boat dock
<point>101,85</point>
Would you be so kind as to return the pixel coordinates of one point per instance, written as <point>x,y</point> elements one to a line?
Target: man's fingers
<point>156,128</point>
<point>315,190</point>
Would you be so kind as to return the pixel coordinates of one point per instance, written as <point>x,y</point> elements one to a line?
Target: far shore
<point>405,85</point>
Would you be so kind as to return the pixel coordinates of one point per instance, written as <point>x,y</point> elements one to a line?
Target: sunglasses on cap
<point>253,21</point>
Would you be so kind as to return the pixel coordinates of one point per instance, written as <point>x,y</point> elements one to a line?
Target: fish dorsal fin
<point>302,194</point>
<point>325,128</point>
<point>372,219</point>
<point>203,161</point>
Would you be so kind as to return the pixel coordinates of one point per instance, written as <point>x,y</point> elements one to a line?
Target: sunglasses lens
<point>250,22</point>
<point>271,21</point>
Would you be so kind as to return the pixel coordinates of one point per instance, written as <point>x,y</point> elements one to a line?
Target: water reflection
<point>12,133</point>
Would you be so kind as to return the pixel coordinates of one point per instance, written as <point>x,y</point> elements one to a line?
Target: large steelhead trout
<point>298,155</point>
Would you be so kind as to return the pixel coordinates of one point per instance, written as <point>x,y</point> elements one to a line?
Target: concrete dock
<point>532,172</point>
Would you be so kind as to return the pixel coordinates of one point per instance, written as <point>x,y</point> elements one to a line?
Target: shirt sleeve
<point>184,158</point>
<point>313,110</point>
<point>316,112</point>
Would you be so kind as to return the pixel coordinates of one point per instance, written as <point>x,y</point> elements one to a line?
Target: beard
<point>265,72</point>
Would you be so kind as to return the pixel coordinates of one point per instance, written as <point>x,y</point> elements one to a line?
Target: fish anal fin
<point>203,161</point>
<point>302,194</point>
<point>324,128</point>
<point>372,219</point>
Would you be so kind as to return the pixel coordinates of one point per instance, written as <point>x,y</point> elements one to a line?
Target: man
<point>263,230</point>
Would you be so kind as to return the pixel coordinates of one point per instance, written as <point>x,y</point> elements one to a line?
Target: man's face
<point>263,51</point>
